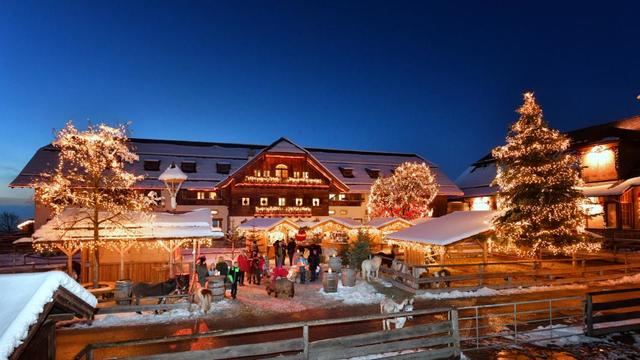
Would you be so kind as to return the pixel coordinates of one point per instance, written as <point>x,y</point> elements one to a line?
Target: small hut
<point>435,238</point>
<point>28,316</point>
<point>266,231</point>
<point>382,226</point>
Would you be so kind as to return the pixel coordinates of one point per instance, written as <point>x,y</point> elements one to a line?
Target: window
<point>332,212</point>
<point>256,173</point>
<point>282,201</point>
<point>332,196</point>
<point>305,174</point>
<point>296,174</point>
<point>346,171</point>
<point>315,202</point>
<point>626,210</point>
<point>298,201</point>
<point>216,222</point>
<point>188,166</point>
<point>342,197</point>
<point>266,173</point>
<point>282,171</point>
<point>213,195</point>
<point>373,173</point>
<point>343,212</point>
<point>152,165</point>
<point>223,167</point>
<point>200,195</point>
<point>264,201</point>
<point>245,201</point>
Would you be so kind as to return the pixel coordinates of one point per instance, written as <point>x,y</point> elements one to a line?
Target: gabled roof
<point>384,221</point>
<point>266,223</point>
<point>346,222</point>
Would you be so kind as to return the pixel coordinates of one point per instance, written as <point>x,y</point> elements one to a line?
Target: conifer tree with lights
<point>539,205</point>
<point>407,194</point>
<point>90,176</point>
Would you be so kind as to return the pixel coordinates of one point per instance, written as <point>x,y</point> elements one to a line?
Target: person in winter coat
<point>233,276</point>
<point>257,263</point>
<point>314,262</point>
<point>244,265</point>
<point>280,251</point>
<point>302,264</point>
<point>254,247</point>
<point>202,270</point>
<point>291,250</point>
<point>222,267</point>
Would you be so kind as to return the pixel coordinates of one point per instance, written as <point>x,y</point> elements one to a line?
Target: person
<point>302,266</point>
<point>222,268</point>
<point>257,263</point>
<point>254,247</point>
<point>244,265</point>
<point>314,262</point>
<point>280,250</point>
<point>233,276</point>
<point>291,249</point>
<point>202,270</point>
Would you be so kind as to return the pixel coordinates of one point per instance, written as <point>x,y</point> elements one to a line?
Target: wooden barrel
<point>330,282</point>
<point>335,263</point>
<point>122,292</point>
<point>216,285</point>
<point>348,277</point>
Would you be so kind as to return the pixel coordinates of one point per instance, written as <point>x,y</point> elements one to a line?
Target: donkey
<point>371,267</point>
<point>179,284</point>
<point>442,273</point>
<point>388,306</point>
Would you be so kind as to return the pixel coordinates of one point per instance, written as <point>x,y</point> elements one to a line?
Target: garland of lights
<point>539,205</point>
<point>261,210</point>
<point>408,193</point>
<point>279,180</point>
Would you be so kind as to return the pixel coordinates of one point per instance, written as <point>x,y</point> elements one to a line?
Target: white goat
<point>388,306</point>
<point>371,267</point>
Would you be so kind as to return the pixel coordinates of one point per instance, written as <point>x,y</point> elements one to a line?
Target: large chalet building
<point>238,182</point>
<point>609,156</point>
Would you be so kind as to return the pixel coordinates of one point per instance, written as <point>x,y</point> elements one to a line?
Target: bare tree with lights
<point>408,193</point>
<point>91,177</point>
<point>540,207</point>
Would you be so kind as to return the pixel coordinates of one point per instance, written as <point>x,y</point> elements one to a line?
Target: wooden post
<point>455,331</point>
<point>589,314</point>
<point>484,252</point>
<point>305,341</point>
<point>171,260</point>
<point>574,261</point>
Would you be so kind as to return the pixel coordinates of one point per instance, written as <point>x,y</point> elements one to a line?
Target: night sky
<point>441,79</point>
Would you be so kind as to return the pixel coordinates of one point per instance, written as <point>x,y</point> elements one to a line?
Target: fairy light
<point>407,194</point>
<point>539,206</point>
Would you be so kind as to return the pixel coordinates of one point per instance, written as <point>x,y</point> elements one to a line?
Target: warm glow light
<point>481,203</point>
<point>599,156</point>
<point>592,207</point>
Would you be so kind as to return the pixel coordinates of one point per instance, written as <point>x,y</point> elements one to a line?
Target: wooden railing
<point>435,339</point>
<point>612,315</point>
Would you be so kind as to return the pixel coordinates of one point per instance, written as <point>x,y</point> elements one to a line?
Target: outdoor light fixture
<point>173,178</point>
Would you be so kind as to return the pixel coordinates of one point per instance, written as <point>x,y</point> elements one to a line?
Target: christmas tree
<point>407,193</point>
<point>540,207</point>
<point>91,176</point>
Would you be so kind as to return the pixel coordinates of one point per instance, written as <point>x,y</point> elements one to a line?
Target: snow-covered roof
<point>173,173</point>
<point>265,223</point>
<point>347,222</point>
<point>207,154</point>
<point>476,179</point>
<point>29,293</point>
<point>610,188</point>
<point>135,225</point>
<point>384,221</point>
<point>447,229</point>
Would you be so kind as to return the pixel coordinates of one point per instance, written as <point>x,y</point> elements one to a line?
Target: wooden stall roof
<point>381,222</point>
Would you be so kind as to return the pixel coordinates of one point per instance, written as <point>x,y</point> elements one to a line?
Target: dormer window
<point>373,173</point>
<point>223,167</point>
<point>256,173</point>
<point>152,165</point>
<point>282,171</point>
<point>346,171</point>
<point>188,166</point>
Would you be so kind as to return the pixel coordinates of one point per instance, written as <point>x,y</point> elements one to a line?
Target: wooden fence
<point>612,311</point>
<point>479,277</point>
<point>437,339</point>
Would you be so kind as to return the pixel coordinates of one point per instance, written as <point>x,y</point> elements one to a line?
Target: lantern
<point>173,178</point>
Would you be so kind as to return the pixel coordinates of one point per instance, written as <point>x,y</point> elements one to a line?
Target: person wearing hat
<point>202,270</point>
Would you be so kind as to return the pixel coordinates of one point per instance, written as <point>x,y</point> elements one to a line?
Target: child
<point>233,277</point>
<point>302,267</point>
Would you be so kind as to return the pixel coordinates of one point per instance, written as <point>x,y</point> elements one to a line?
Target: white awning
<point>447,229</point>
<point>72,224</point>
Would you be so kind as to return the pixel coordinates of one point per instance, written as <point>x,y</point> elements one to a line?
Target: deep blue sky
<point>439,79</point>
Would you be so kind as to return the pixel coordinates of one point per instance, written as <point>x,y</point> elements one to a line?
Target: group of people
<point>298,258</point>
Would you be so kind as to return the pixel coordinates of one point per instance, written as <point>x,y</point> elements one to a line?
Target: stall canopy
<point>265,224</point>
<point>447,229</point>
<point>384,221</point>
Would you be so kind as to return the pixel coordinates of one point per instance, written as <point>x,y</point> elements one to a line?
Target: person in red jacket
<point>244,266</point>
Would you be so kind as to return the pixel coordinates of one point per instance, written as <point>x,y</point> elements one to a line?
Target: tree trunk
<point>96,257</point>
<point>121,251</point>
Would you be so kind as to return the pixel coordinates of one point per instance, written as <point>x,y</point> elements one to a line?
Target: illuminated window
<point>212,195</point>
<point>245,201</point>
<point>305,174</point>
<point>282,201</point>
<point>343,212</point>
<point>282,171</point>
<point>332,196</point>
<point>342,197</point>
<point>296,174</point>
<point>264,201</point>
<point>481,203</point>
<point>298,201</point>
<point>315,202</point>
<point>599,164</point>
<point>332,212</point>
<point>266,173</point>
<point>200,195</point>
<point>256,173</point>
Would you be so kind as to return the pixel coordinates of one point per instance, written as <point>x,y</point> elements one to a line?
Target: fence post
<point>589,314</point>
<point>455,331</point>
<point>305,341</point>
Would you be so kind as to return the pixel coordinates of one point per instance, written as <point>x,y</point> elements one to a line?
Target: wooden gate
<point>612,311</point>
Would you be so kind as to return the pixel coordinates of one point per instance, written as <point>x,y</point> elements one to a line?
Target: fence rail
<point>619,312</point>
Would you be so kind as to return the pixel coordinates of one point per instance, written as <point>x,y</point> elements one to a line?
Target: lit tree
<point>407,193</point>
<point>90,177</point>
<point>540,207</point>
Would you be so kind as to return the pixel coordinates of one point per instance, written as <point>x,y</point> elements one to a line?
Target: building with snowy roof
<point>610,158</point>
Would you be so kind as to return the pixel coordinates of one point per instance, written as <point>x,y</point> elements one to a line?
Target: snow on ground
<point>29,293</point>
<point>485,291</point>
<point>629,279</point>
<point>133,318</point>
<point>362,293</point>
<point>566,335</point>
